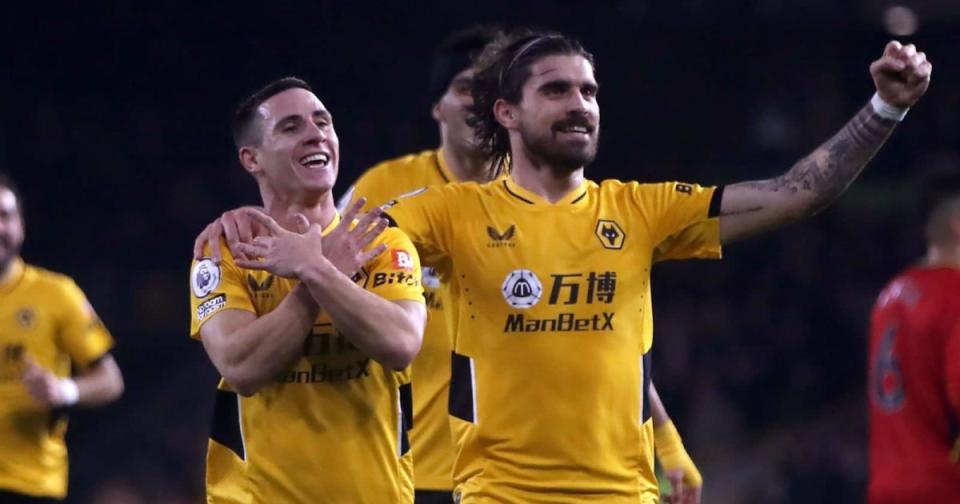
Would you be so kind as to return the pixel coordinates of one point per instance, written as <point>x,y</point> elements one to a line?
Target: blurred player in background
<point>316,336</point>
<point>914,359</point>
<point>54,354</point>
<point>456,160</point>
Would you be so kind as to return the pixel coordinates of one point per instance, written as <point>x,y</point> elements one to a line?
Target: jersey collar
<point>16,273</point>
<point>332,225</point>
<point>444,169</point>
<point>577,195</point>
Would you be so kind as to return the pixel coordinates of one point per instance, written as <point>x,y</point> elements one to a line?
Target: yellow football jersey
<point>430,439</point>
<point>554,326</point>
<point>46,317</point>
<point>333,427</point>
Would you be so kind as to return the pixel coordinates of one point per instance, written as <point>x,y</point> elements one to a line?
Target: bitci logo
<point>402,259</point>
<point>522,289</point>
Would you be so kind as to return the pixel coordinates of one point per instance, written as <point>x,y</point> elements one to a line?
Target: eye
<point>590,91</point>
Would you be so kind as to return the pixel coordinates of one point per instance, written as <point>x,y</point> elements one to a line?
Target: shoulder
<point>393,237</point>
<point>49,281</point>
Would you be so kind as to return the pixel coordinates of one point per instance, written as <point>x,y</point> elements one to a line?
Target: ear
<point>249,159</point>
<point>435,111</point>
<point>506,114</point>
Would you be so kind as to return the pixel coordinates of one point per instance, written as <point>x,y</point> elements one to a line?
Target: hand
<point>344,246</point>
<point>680,492</point>
<point>901,75</point>
<point>236,226</point>
<point>42,385</point>
<point>281,252</point>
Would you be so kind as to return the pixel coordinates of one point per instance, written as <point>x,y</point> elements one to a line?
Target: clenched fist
<point>902,74</point>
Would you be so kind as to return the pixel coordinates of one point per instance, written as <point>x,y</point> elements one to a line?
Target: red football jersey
<point>914,388</point>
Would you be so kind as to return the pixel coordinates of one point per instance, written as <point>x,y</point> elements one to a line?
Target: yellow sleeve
<point>395,274</point>
<point>670,208</point>
<point>82,334</point>
<point>426,216</point>
<point>215,287</point>
<point>701,240</point>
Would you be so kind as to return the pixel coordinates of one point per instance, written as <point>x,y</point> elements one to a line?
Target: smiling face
<point>557,121</point>
<point>298,152</point>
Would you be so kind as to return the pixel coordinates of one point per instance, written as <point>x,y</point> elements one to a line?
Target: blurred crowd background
<point>115,122</point>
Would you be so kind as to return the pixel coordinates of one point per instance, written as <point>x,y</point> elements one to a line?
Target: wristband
<point>673,455</point>
<point>887,111</point>
<point>69,393</point>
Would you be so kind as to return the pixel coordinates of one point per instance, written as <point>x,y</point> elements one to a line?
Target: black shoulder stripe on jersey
<point>579,197</point>
<point>461,388</point>
<point>515,195</point>
<point>406,413</point>
<point>715,202</point>
<point>390,221</point>
<point>225,428</point>
<point>647,370</point>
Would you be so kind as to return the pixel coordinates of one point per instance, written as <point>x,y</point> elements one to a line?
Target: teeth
<point>315,158</point>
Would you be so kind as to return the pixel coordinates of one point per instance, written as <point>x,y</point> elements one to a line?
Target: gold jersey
<point>550,353</point>
<point>430,435</point>
<point>46,317</point>
<point>333,427</point>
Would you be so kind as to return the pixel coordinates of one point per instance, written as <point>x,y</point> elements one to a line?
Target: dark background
<point>114,119</point>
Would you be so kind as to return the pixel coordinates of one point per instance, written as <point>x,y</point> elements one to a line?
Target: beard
<point>562,158</point>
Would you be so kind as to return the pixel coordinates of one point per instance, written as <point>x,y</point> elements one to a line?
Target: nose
<point>315,134</point>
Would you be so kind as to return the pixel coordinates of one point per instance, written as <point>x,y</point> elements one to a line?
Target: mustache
<point>573,122</point>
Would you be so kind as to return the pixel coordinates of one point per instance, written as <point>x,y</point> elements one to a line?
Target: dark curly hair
<point>502,69</point>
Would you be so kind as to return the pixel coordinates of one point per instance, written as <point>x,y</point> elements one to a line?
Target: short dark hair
<point>455,54</point>
<point>940,192</point>
<point>7,182</point>
<point>246,119</point>
<point>502,70</point>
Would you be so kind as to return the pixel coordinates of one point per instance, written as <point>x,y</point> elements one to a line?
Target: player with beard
<point>551,351</point>
<point>551,359</point>
<point>47,329</point>
<point>914,358</point>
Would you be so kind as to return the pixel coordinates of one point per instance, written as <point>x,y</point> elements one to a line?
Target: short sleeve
<point>701,240</point>
<point>216,287</point>
<point>426,216</point>
<point>82,334</point>
<point>395,274</point>
<point>670,208</point>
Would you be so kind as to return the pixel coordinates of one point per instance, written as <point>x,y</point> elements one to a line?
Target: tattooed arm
<point>901,76</point>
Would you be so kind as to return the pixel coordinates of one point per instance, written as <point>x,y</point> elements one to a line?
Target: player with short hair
<point>313,338</point>
<point>914,365</point>
<point>54,354</point>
